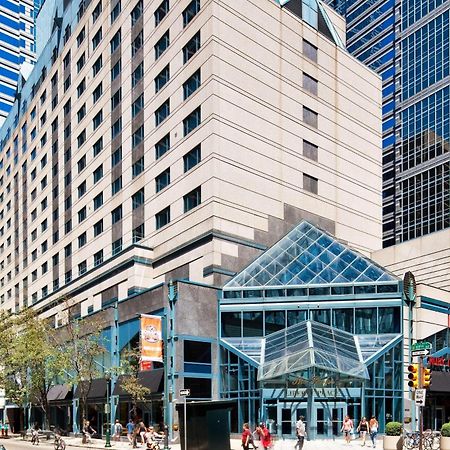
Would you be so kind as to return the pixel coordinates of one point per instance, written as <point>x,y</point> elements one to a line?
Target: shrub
<point>445,430</point>
<point>393,429</point>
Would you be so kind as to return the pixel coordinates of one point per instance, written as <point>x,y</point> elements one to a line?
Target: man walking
<point>301,432</point>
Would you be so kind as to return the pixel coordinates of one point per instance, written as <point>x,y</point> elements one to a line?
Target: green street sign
<point>421,346</point>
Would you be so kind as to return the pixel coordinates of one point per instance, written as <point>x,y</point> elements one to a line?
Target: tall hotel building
<point>407,43</point>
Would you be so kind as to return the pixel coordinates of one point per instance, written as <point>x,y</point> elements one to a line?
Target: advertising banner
<point>151,340</point>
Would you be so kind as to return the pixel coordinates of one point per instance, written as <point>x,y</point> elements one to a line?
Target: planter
<point>393,442</point>
<point>445,443</point>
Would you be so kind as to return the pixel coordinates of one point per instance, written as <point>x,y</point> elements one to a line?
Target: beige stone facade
<point>283,135</point>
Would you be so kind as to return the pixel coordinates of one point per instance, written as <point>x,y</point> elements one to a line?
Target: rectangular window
<point>137,43</point>
<point>190,12</point>
<point>116,129</point>
<point>97,93</point>
<point>192,199</point>
<point>97,66</point>
<point>310,117</point>
<point>310,84</point>
<point>68,203</point>
<point>97,39</point>
<point>162,78</point>
<point>116,157</point>
<point>137,75</point>
<point>162,218</point>
<point>68,250</point>
<point>116,99</point>
<point>136,13</point>
<point>97,11</point>
<point>162,146</point>
<point>81,62</point>
<point>192,121</point>
<point>82,267</point>
<point>162,180</point>
<point>97,147</point>
<point>138,167</point>
<point>98,173</point>
<point>82,239</point>
<point>162,112</point>
<point>191,84</point>
<point>161,12</point>
<point>116,214</point>
<point>192,158</point>
<point>137,199</point>
<point>98,228</point>
<point>138,234</point>
<point>98,201</point>
<point>137,137</point>
<point>162,44</point>
<point>82,214</point>
<point>68,226</point>
<point>81,87</point>
<point>115,41</point>
<point>81,139</point>
<point>81,189</point>
<point>116,11</point>
<point>97,120</point>
<point>116,186</point>
<point>310,150</point>
<point>98,258</point>
<point>81,164</point>
<point>310,50</point>
<point>191,48</point>
<point>310,184</point>
<point>137,106</point>
<point>116,70</point>
<point>81,36</point>
<point>116,246</point>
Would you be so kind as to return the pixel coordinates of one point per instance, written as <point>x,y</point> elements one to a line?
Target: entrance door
<point>329,418</point>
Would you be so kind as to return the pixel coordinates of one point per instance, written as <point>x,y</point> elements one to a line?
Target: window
<point>116,99</point>
<point>115,71</point>
<point>34,255</point>
<point>55,260</point>
<point>67,107</point>
<point>81,87</point>
<point>97,39</point>
<point>137,199</point>
<point>44,182</point>
<point>97,66</point>
<point>67,82</point>
<point>310,184</point>
<point>310,117</point>
<point>116,214</point>
<point>81,113</point>
<point>162,44</point>
<point>137,43</point>
<point>82,267</point>
<point>116,157</point>
<point>82,239</point>
<point>68,250</point>
<point>44,246</point>
<point>98,173</point>
<point>137,137</point>
<point>116,129</point>
<point>137,168</point>
<point>81,62</point>
<point>310,84</point>
<point>68,203</point>
<point>81,36</point>
<point>97,120</point>
<point>81,164</point>
<point>34,235</point>
<point>34,214</point>
<point>191,48</point>
<point>116,11</point>
<point>162,180</point>
<point>192,158</point>
<point>98,258</point>
<point>43,118</point>
<point>116,246</point>
<point>136,13</point>
<point>98,228</point>
<point>161,12</point>
<point>162,78</point>
<point>97,93</point>
<point>98,201</point>
<point>82,189</point>
<point>97,11</point>
<point>191,85</point>
<point>98,146</point>
<point>44,225</point>
<point>162,218</point>
<point>192,199</point>
<point>82,214</point>
<point>115,41</point>
<point>137,106</point>
<point>162,112</point>
<point>137,74</point>
<point>66,63</point>
<point>162,146</point>
<point>192,121</point>
<point>43,161</point>
<point>138,234</point>
<point>190,12</point>
<point>116,186</point>
<point>68,276</point>
<point>68,226</point>
<point>309,50</point>
<point>310,150</point>
<point>81,139</point>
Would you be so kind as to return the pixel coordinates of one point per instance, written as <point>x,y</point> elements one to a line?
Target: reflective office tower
<point>407,42</point>
<point>17,47</point>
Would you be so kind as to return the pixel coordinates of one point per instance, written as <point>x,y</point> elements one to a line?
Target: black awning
<point>97,389</point>
<point>151,379</point>
<point>58,392</point>
<point>440,382</point>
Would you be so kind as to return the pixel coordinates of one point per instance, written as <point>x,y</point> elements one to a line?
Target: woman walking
<point>347,428</point>
<point>373,428</point>
<point>362,429</point>
<point>246,436</point>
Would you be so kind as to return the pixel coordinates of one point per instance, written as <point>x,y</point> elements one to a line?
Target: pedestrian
<point>266,439</point>
<point>373,429</point>
<point>130,429</point>
<point>142,431</point>
<point>362,429</point>
<point>246,435</point>
<point>300,429</point>
<point>117,430</point>
<point>347,428</point>
<point>6,427</point>
<point>88,431</point>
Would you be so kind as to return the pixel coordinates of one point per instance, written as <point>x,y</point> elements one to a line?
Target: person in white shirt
<point>300,428</point>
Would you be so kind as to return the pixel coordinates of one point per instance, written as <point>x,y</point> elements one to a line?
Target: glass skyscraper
<point>17,46</point>
<point>407,43</point>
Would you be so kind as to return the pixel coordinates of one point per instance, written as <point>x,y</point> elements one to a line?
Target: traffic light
<point>413,376</point>
<point>426,378</point>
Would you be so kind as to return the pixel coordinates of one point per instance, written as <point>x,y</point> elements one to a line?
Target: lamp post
<point>107,410</point>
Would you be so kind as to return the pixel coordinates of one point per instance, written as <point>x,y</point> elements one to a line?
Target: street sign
<point>185,392</point>
<point>420,397</point>
<point>420,353</point>
<point>421,346</point>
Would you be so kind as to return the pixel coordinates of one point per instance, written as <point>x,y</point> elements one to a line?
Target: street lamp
<point>108,412</point>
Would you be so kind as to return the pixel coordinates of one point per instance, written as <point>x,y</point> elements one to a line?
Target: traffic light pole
<point>420,407</point>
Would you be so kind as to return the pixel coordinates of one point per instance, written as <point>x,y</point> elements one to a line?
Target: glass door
<point>329,418</point>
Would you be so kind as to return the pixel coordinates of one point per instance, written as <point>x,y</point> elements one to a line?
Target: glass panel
<point>231,324</point>
<point>294,317</point>
<point>364,289</point>
<point>275,321</point>
<point>366,321</point>
<point>343,319</point>
<point>252,324</point>
<point>299,292</point>
<point>321,315</point>
<point>389,320</point>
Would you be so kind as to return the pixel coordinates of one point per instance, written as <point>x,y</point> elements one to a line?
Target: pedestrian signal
<point>426,378</point>
<point>413,376</point>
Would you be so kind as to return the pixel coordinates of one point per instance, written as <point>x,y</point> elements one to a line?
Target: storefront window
<point>252,323</point>
<point>343,319</point>
<point>275,321</point>
<point>366,320</point>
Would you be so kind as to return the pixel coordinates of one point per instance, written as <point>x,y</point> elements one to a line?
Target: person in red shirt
<point>246,436</point>
<point>264,435</point>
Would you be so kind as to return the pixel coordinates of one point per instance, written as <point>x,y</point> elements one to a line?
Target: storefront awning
<point>151,379</point>
<point>58,392</point>
<point>96,390</point>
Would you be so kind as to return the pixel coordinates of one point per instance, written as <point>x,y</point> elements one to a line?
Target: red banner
<point>151,339</point>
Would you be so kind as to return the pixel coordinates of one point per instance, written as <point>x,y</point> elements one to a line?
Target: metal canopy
<point>308,255</point>
<point>308,345</point>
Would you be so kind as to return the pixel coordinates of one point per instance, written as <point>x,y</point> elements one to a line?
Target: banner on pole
<point>151,340</point>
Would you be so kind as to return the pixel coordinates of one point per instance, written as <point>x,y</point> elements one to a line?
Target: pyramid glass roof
<point>308,255</point>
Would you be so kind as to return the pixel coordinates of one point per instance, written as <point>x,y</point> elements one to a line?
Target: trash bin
<point>272,426</point>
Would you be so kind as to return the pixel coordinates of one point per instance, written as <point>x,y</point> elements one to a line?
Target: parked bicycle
<point>430,440</point>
